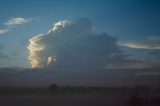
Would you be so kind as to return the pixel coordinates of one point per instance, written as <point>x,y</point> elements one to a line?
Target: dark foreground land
<point>79,96</point>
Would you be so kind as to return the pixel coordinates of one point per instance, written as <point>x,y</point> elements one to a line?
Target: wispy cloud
<point>13,22</point>
<point>17,21</point>
<point>152,42</point>
<point>140,45</point>
<point>2,31</point>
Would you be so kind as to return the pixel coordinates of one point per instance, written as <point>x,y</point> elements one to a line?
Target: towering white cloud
<point>38,50</point>
<point>71,45</point>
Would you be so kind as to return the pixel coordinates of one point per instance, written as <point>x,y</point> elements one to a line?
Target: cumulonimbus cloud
<point>70,45</point>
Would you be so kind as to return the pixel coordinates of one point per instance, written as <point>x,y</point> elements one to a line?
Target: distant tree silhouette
<point>53,88</point>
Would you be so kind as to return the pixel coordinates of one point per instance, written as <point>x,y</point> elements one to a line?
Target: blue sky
<point>79,42</point>
<point>130,21</point>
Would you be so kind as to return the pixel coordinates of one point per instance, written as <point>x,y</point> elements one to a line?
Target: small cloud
<point>13,22</point>
<point>136,45</point>
<point>2,31</point>
<point>151,42</point>
<point>17,21</point>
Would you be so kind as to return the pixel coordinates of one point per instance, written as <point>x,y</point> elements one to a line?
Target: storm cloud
<point>72,45</point>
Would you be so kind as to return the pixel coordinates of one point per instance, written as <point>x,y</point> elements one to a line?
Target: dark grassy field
<point>67,99</point>
<point>78,96</point>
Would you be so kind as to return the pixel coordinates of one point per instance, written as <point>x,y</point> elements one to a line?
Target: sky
<point>85,42</point>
